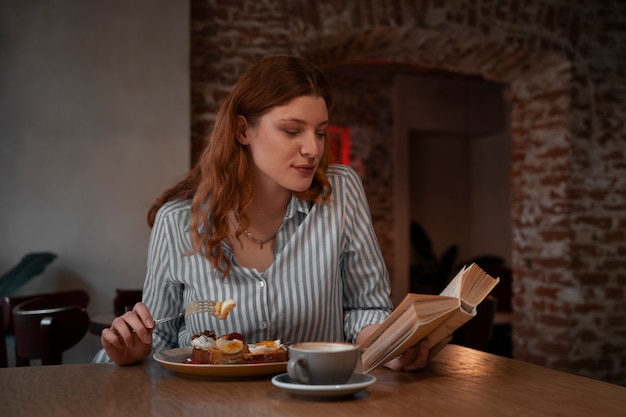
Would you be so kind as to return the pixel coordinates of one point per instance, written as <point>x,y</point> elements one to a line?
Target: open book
<point>432,316</point>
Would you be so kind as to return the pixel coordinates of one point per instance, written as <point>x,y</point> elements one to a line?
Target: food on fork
<point>208,348</point>
<point>221,309</point>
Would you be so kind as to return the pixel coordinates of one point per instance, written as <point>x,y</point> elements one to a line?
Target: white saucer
<point>356,383</point>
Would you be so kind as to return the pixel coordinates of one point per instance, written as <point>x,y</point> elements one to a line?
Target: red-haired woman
<point>264,219</point>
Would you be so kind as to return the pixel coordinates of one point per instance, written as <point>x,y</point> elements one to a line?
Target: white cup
<point>322,363</point>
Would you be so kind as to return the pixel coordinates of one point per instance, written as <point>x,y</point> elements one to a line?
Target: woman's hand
<point>129,339</point>
<point>417,357</point>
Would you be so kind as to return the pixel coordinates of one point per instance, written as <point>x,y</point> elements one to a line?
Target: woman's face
<point>287,143</point>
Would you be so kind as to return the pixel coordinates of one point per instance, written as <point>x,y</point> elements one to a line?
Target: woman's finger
<point>131,326</point>
<point>144,324</point>
<point>144,314</point>
<point>419,359</point>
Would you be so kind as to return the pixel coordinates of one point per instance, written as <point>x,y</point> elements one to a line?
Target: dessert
<point>226,349</point>
<point>266,351</point>
<point>208,348</point>
<point>221,309</point>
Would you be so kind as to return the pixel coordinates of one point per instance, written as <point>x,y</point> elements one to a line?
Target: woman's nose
<point>311,145</point>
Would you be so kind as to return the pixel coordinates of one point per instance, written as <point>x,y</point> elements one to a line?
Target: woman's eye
<point>321,135</point>
<point>291,132</point>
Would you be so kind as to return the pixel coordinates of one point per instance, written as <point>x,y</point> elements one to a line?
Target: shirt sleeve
<point>162,291</point>
<point>161,294</point>
<point>367,288</point>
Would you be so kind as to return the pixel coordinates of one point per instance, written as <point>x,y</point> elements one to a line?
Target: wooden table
<point>459,382</point>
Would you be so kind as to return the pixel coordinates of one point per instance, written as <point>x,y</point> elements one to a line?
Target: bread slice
<point>223,350</point>
<point>229,349</point>
<point>215,357</point>
<point>271,357</point>
<point>266,351</point>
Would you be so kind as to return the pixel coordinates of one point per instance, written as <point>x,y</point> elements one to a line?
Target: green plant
<point>29,267</point>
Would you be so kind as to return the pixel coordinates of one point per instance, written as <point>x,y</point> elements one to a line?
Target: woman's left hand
<point>417,357</point>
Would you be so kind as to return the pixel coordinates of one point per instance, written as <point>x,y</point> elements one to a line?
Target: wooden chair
<point>45,328</point>
<point>4,361</point>
<point>8,303</point>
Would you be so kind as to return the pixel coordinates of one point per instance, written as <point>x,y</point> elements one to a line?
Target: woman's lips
<point>305,169</point>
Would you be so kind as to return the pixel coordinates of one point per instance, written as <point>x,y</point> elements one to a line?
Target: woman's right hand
<point>129,339</point>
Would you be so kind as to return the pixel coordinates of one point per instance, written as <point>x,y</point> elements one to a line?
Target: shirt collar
<point>297,205</point>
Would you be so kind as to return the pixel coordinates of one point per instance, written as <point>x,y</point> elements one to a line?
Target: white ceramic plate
<point>175,359</point>
<point>357,382</point>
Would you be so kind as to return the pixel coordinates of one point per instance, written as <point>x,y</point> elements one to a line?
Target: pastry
<point>208,348</point>
<point>266,351</point>
<point>226,349</point>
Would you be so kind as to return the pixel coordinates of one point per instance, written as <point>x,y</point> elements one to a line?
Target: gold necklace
<point>259,242</point>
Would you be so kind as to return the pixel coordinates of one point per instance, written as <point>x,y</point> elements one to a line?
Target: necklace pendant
<point>259,242</point>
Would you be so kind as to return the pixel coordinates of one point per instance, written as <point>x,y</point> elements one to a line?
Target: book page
<point>477,286</point>
<point>471,284</point>
<point>417,333</point>
<point>406,330</point>
<point>393,336</point>
<point>453,289</point>
<point>426,304</point>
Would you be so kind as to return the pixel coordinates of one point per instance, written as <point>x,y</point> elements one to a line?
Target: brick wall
<point>564,62</point>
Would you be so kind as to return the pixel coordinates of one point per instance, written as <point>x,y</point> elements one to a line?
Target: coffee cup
<point>322,363</point>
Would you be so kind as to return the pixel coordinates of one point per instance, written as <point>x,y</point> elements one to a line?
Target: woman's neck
<point>269,203</point>
<point>266,213</point>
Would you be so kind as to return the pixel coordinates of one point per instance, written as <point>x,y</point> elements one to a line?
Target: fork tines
<point>200,306</point>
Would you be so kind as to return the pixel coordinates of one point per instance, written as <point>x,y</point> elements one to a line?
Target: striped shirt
<point>328,279</point>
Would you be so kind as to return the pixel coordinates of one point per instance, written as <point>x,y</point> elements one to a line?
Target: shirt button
<point>261,284</point>
<point>263,325</point>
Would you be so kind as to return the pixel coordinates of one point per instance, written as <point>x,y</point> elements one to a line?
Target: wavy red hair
<point>220,182</point>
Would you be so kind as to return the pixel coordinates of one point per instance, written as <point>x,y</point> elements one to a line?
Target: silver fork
<point>198,306</point>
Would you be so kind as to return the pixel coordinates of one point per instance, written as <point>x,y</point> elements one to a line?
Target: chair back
<point>45,328</point>
<point>67,297</point>
<point>8,303</point>
<point>4,361</point>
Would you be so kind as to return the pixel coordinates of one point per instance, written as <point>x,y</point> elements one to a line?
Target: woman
<point>264,219</point>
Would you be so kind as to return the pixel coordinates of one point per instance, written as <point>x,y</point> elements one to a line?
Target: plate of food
<point>226,356</point>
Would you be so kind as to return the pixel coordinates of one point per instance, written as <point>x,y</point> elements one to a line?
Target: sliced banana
<point>229,346</point>
<point>222,309</point>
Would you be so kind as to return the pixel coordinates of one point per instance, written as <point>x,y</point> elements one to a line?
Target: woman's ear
<point>242,126</point>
